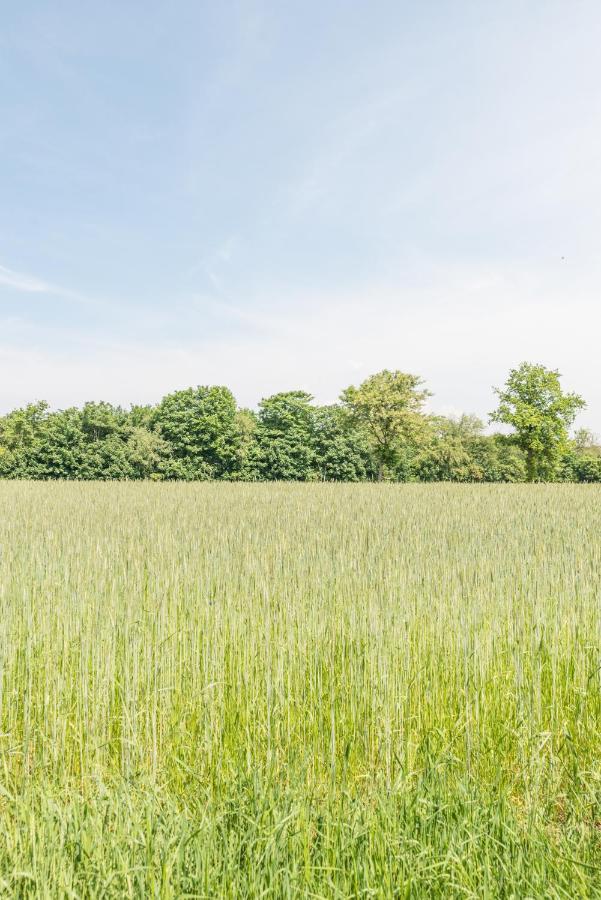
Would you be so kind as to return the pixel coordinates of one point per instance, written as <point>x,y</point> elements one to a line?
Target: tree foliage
<point>377,431</point>
<point>534,404</point>
<point>388,407</point>
<point>201,426</point>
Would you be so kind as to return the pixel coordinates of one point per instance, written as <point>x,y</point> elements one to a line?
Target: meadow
<point>327,691</point>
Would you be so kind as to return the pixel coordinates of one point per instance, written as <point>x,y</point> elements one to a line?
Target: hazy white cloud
<point>27,283</point>
<point>461,331</point>
<point>31,284</point>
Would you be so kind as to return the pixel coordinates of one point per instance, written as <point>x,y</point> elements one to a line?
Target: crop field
<point>327,691</point>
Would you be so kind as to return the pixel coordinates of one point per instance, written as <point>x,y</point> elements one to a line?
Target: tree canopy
<point>379,430</point>
<point>535,405</point>
<point>388,407</point>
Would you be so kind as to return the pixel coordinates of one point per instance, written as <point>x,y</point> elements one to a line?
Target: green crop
<point>325,691</point>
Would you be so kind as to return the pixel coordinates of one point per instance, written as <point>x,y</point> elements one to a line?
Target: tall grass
<point>300,691</point>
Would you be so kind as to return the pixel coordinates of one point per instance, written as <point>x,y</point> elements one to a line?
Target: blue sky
<point>295,195</point>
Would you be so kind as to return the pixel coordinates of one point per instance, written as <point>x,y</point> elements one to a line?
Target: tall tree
<point>21,434</point>
<point>536,407</point>
<point>388,406</point>
<point>342,451</point>
<point>200,425</point>
<point>248,465</point>
<point>446,454</point>
<point>285,436</point>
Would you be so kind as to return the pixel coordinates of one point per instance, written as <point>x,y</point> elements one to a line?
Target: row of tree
<point>378,431</point>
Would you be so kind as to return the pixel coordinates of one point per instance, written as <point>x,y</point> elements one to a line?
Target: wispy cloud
<point>458,331</point>
<point>29,284</point>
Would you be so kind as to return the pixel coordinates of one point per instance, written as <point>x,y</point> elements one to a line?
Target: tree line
<point>377,431</point>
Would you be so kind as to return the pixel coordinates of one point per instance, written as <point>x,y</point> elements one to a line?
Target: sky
<point>284,195</point>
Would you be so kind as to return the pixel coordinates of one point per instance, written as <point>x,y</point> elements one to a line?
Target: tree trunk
<point>531,467</point>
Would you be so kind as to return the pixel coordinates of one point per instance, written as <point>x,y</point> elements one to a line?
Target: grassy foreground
<point>300,691</point>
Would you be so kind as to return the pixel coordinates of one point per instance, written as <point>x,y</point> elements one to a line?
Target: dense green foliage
<point>290,691</point>
<point>378,431</point>
<point>534,404</point>
<point>388,408</point>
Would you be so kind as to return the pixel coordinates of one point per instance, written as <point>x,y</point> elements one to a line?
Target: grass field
<point>300,691</point>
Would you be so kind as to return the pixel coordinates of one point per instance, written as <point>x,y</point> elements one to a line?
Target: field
<point>325,691</point>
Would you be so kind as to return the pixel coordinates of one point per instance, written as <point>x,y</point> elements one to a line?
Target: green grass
<point>300,691</point>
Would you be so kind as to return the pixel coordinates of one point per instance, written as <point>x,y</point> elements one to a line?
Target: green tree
<point>61,448</point>
<point>200,425</point>
<point>148,454</point>
<point>585,467</point>
<point>99,420</point>
<point>586,440</point>
<point>248,463</point>
<point>21,427</point>
<point>342,452</point>
<point>388,407</point>
<point>446,455</point>
<point>285,436</point>
<point>540,413</point>
<point>465,427</point>
<point>21,433</point>
<point>498,458</point>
